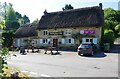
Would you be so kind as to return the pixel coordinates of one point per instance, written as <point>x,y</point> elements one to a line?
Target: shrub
<point>108,37</point>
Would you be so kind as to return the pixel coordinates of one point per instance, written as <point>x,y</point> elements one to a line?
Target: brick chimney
<point>100,5</point>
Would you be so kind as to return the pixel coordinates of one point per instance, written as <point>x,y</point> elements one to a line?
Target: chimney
<point>45,12</point>
<point>100,5</point>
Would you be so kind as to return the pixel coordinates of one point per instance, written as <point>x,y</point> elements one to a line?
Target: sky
<point>34,8</point>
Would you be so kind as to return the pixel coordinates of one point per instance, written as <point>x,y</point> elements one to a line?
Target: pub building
<point>67,29</point>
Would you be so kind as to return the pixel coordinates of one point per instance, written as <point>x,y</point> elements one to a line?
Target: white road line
<point>33,73</point>
<point>44,75</point>
<point>25,71</point>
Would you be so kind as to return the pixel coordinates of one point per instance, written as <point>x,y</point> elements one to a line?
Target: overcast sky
<point>35,8</point>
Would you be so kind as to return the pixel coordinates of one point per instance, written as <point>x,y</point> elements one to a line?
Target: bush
<point>108,37</point>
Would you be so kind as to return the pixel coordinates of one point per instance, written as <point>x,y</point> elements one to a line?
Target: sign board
<point>55,33</point>
<point>87,32</point>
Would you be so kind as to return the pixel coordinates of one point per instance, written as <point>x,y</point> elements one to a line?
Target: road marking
<point>44,75</point>
<point>33,73</point>
<point>25,71</point>
<point>29,72</point>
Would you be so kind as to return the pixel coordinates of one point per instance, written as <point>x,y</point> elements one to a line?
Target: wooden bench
<point>51,50</point>
<point>33,49</point>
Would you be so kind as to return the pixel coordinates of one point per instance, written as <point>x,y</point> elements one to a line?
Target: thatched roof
<point>88,16</point>
<point>26,30</point>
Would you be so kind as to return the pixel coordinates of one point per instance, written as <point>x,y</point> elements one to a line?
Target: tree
<point>2,25</point>
<point>109,37</point>
<point>11,20</point>
<point>3,8</point>
<point>7,38</point>
<point>67,7</point>
<point>111,20</point>
<point>35,21</point>
<point>18,15</point>
<point>117,28</point>
<point>3,51</point>
<point>26,19</point>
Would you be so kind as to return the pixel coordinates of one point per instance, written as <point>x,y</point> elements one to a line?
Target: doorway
<point>55,42</point>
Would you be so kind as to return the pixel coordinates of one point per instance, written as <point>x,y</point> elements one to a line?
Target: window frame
<point>45,32</point>
<point>45,41</point>
<point>68,32</point>
<point>69,41</point>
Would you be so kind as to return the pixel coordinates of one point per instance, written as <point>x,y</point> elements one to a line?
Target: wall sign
<point>87,32</point>
<point>56,33</point>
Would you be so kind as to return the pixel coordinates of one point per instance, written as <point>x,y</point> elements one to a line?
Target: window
<point>45,32</point>
<point>91,40</point>
<point>87,40</point>
<point>68,32</point>
<point>45,41</point>
<point>94,40</point>
<point>69,41</point>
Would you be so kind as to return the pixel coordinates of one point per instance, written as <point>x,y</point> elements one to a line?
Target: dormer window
<point>45,32</point>
<point>68,32</point>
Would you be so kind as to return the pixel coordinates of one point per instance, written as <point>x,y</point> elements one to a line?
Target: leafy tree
<point>4,52</point>
<point>35,21</point>
<point>109,37</point>
<point>3,8</point>
<point>7,38</point>
<point>117,28</point>
<point>111,20</point>
<point>11,20</point>
<point>2,25</point>
<point>67,7</point>
<point>18,15</point>
<point>10,14</point>
<point>26,19</point>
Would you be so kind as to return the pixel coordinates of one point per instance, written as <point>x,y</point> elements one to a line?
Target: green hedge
<point>109,37</point>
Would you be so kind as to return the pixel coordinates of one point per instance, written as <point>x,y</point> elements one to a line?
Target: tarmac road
<point>68,64</point>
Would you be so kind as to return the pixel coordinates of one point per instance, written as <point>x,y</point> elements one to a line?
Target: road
<point>68,64</point>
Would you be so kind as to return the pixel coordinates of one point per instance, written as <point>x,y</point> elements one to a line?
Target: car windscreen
<point>85,46</point>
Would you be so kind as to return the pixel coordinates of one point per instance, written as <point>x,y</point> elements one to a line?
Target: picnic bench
<point>33,49</point>
<point>51,50</point>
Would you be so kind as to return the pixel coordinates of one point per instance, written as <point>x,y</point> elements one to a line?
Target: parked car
<point>87,49</point>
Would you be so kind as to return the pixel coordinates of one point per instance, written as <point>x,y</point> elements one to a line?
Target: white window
<point>34,41</point>
<point>45,32</point>
<point>45,41</point>
<point>88,40</point>
<point>68,41</point>
<point>63,41</point>
<point>68,32</point>
<point>41,41</point>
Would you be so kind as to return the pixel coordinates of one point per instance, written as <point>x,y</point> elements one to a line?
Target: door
<point>55,42</point>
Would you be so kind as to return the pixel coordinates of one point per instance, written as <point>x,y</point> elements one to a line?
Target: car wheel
<point>79,53</point>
